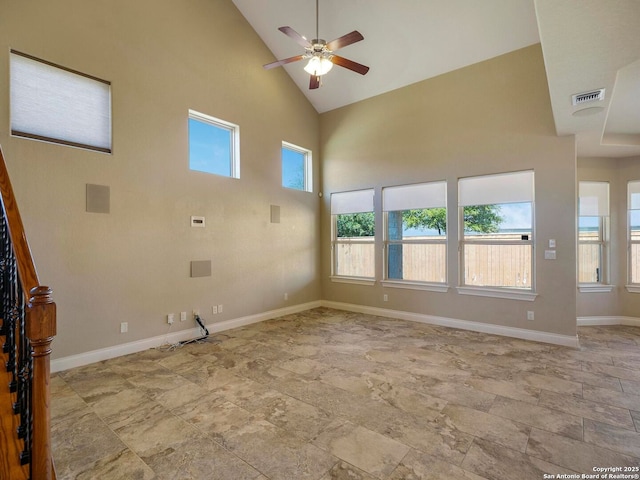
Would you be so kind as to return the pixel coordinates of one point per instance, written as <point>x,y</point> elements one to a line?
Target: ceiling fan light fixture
<point>318,66</point>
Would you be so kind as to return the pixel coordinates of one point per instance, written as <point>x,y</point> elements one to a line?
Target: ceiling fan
<point>320,54</point>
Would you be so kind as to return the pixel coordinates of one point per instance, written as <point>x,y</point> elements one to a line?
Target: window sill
<point>633,288</point>
<point>595,288</point>
<point>354,280</point>
<point>431,287</point>
<point>509,294</point>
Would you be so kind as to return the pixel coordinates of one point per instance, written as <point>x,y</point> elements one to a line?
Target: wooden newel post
<point>40,330</point>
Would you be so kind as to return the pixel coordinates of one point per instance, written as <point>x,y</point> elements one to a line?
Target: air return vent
<point>588,97</point>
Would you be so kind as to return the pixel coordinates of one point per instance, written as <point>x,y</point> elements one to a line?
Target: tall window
<point>214,145</point>
<point>633,203</point>
<point>353,238</point>
<point>296,167</point>
<point>415,233</point>
<point>496,225</point>
<point>593,232</point>
<point>59,105</point>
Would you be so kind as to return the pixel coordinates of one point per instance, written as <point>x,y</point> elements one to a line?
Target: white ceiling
<point>587,44</point>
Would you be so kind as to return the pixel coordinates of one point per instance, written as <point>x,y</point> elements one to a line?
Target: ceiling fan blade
<point>350,64</point>
<point>284,61</point>
<point>290,32</point>
<point>314,82</point>
<point>345,40</point>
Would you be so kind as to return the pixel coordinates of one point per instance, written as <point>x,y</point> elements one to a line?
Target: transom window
<point>415,233</point>
<point>353,235</point>
<point>593,232</point>
<point>296,167</point>
<point>214,145</point>
<point>496,225</point>
<point>55,104</point>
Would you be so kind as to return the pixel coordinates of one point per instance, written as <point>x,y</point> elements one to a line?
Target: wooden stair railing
<point>28,325</point>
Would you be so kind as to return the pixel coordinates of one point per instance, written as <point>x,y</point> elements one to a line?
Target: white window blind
<point>634,195</point>
<point>516,187</point>
<point>593,199</point>
<point>352,202</point>
<point>55,104</point>
<point>412,197</point>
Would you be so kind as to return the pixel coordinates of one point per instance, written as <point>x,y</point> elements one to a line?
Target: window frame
<point>387,242</point>
<point>61,106</point>
<point>307,168</point>
<point>598,193</point>
<point>234,146</point>
<point>506,292</point>
<point>631,286</point>
<point>336,242</point>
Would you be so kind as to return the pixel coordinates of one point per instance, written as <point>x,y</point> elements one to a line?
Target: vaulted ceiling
<point>587,45</point>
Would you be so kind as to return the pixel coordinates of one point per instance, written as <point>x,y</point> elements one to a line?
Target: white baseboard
<point>534,335</point>
<point>595,321</point>
<point>93,356</point>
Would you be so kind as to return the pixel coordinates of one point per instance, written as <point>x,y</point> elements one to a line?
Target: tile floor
<point>328,394</point>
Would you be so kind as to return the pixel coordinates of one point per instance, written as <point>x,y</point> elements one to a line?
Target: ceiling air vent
<point>587,97</point>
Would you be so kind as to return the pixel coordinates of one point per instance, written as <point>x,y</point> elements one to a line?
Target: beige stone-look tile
<point>246,393</point>
<point>214,419</point>
<point>157,433</point>
<point>304,366</point>
<point>539,417</point>
<point>619,417</point>
<point>484,425</point>
<point>549,382</point>
<point>93,385</point>
<point>125,407</point>
<point>420,466</point>
<point>631,387</point>
<point>619,439</point>
<point>207,375</point>
<point>609,397</point>
<point>171,399</point>
<point>199,460</point>
<point>277,453</point>
<point>80,442</point>
<point>369,451</point>
<point>65,402</point>
<point>124,464</point>
<point>613,371</point>
<point>578,456</point>
<point>494,461</point>
<point>294,415</point>
<point>154,383</point>
<point>453,392</point>
<point>524,393</point>
<point>636,419</point>
<point>344,471</point>
<point>579,376</point>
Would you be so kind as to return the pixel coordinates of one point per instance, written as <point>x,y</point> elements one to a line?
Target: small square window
<point>213,145</point>
<point>296,167</point>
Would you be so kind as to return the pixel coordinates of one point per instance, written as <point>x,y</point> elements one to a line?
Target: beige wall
<point>163,58</point>
<point>618,302</point>
<point>487,118</point>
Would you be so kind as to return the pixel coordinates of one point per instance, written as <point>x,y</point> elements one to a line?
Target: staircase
<point>27,328</point>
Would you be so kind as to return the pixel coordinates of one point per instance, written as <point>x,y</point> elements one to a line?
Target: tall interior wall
<point>487,118</point>
<point>133,264</point>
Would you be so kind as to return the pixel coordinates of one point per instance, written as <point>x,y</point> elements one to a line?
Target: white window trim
<point>235,139</point>
<point>595,288</point>
<point>409,285</point>
<point>308,166</point>
<point>353,280</point>
<point>633,288</point>
<point>498,292</point>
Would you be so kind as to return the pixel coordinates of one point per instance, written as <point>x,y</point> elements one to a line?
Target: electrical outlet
<point>219,308</point>
<point>214,309</point>
<point>530,315</point>
<point>170,318</point>
<point>385,298</point>
<point>183,316</point>
<point>124,327</point>
<point>196,312</point>
<point>286,296</point>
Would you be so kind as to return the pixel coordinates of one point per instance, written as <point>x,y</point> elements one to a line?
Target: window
<point>296,167</point>
<point>496,225</point>
<point>633,202</point>
<point>214,145</point>
<point>58,105</point>
<point>593,232</point>
<point>353,235</point>
<point>415,233</point>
